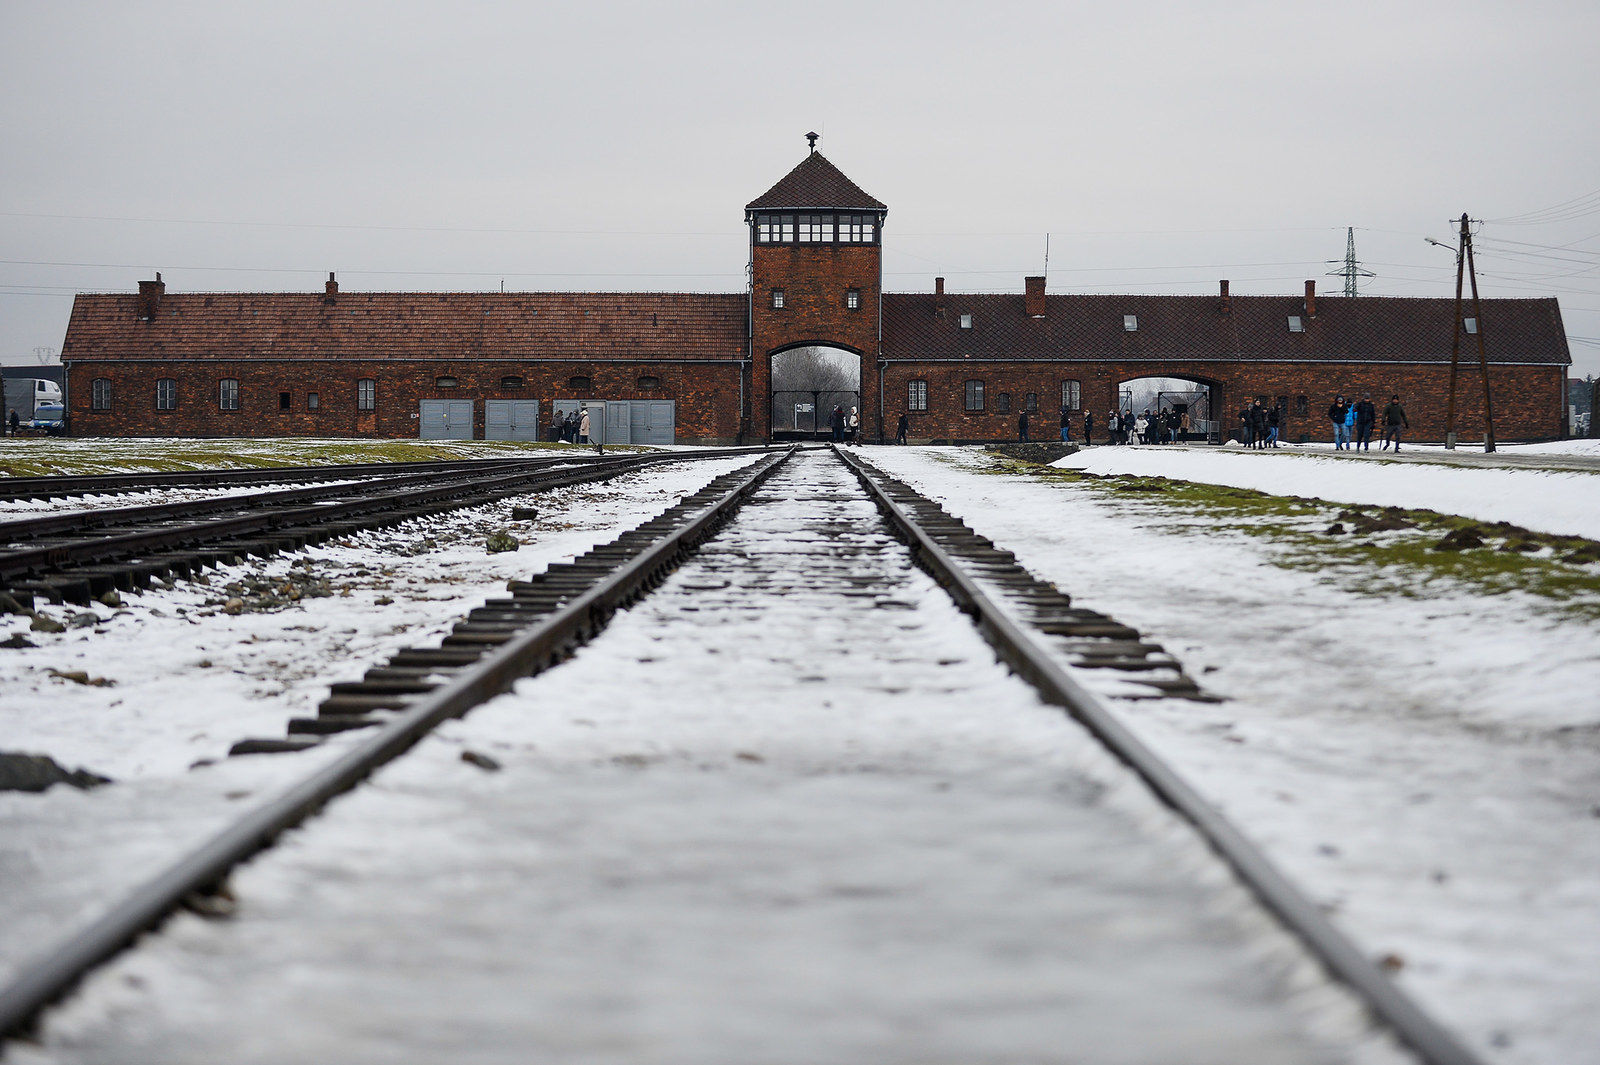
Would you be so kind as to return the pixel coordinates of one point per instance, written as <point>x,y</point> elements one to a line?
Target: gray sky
<point>414,146</point>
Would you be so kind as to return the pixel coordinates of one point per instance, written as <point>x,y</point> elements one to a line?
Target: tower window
<point>777,299</point>
<point>974,395</point>
<point>167,394</point>
<point>775,229</point>
<point>917,397</point>
<point>816,228</point>
<point>852,299</point>
<point>856,229</point>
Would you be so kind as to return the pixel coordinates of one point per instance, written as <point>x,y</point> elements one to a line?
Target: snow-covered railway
<point>786,807</point>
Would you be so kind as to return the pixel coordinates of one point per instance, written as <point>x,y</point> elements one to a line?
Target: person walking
<point>1366,415</point>
<point>852,426</point>
<point>1088,428</point>
<point>1394,419</point>
<point>1022,427</point>
<point>1336,412</point>
<point>836,423</point>
<point>1183,426</point>
<point>1272,425</point>
<point>902,429</point>
<point>16,423</point>
<point>1112,427</point>
<point>1066,426</point>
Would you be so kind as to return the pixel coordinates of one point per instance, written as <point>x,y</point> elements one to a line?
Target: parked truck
<point>37,403</point>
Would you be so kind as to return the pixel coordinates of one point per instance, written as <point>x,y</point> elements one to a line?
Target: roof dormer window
<point>1130,323</point>
<point>1469,324</point>
<point>966,320</point>
<point>1297,324</point>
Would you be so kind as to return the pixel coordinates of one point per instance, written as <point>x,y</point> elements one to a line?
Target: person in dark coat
<point>836,423</point>
<point>902,429</point>
<point>1274,421</point>
<point>1366,415</point>
<point>16,423</point>
<point>1394,419</point>
<point>1022,427</point>
<point>1088,428</point>
<point>1336,413</point>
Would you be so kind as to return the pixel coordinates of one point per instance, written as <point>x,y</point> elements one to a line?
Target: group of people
<point>1259,424</point>
<point>572,427</point>
<point>1163,425</point>
<point>1353,423</point>
<point>848,426</point>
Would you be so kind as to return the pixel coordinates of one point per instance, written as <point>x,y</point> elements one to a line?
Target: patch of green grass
<point>1378,551</point>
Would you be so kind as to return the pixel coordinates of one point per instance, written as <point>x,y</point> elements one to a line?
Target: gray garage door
<point>511,419</point>
<point>446,419</point>
<point>652,421</point>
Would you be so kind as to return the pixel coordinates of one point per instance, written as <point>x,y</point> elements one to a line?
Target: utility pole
<point>1466,266</point>
<point>1351,269</point>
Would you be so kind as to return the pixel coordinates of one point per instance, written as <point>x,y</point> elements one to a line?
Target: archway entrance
<point>807,383</point>
<point>1167,400</point>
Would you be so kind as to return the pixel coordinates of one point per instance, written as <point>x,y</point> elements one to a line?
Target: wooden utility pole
<point>1466,267</point>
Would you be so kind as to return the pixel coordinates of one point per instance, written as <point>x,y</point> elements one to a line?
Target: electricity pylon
<point>1350,269</point>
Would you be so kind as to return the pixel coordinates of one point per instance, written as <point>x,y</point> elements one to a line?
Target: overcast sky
<point>413,146</point>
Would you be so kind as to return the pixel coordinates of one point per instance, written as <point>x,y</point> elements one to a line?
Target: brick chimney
<point>332,287</point>
<point>150,293</point>
<point>1311,299</point>
<point>938,297</point>
<point>1226,306</point>
<point>1033,301</point>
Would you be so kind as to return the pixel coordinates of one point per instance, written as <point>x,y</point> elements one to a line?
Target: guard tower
<point>816,278</point>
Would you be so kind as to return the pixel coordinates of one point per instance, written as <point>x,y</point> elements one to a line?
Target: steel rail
<point>1034,663</point>
<point>204,868</point>
<point>69,484</point>
<point>32,561</point>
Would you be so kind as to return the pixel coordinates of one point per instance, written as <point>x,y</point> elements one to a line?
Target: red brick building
<point>697,368</point>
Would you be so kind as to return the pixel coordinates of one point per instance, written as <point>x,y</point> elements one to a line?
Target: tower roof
<point>815,183</point>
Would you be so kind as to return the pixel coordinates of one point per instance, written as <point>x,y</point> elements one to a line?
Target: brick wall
<point>707,395</point>
<point>815,279</point>
<point>1527,399</point>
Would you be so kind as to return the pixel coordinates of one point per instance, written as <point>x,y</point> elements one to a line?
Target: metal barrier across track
<point>523,653</point>
<point>1033,662</point>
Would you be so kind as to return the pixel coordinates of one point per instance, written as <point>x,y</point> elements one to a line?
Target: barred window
<point>367,394</point>
<point>1071,395</point>
<point>648,382</point>
<point>974,395</point>
<point>100,394</point>
<point>166,394</point>
<point>917,397</point>
<point>228,393</point>
<point>1002,403</point>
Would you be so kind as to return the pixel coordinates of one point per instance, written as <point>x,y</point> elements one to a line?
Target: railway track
<point>810,541</point>
<point>78,557</point>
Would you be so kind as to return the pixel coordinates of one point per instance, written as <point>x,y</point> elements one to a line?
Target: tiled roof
<point>410,325</point>
<point>1345,329</point>
<point>815,183</point>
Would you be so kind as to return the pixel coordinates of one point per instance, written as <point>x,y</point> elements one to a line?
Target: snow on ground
<point>187,681</point>
<point>1563,502</point>
<point>1426,766</point>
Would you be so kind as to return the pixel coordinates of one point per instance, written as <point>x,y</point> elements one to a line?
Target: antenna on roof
<point>811,138</point>
<point>1047,255</point>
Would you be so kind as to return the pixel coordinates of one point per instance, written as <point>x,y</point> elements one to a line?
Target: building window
<point>816,229</point>
<point>228,393</point>
<point>1071,395</point>
<point>445,381</point>
<point>1297,324</point>
<point>917,397</point>
<point>1030,403</point>
<point>974,395</point>
<point>1301,404</point>
<point>1002,403</point>
<point>511,381</point>
<point>312,401</point>
<point>648,383</point>
<point>1282,405</point>
<point>1130,323</point>
<point>580,383</point>
<point>100,394</point>
<point>167,394</point>
<point>367,394</point>
<point>856,229</point>
<point>775,229</point>
<point>285,400</point>
<point>1469,324</point>
<point>966,321</point>
<point>777,299</point>
<point>852,300</point>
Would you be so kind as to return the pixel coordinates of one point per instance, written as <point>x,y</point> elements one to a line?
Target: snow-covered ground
<point>187,681</point>
<point>1427,766</point>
